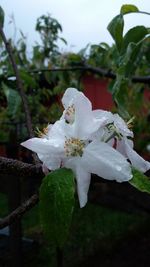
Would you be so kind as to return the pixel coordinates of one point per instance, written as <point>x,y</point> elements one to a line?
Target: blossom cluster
<point>88,141</point>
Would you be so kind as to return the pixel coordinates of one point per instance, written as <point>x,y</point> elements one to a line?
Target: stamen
<point>74,147</point>
<point>42,133</point>
<point>70,114</point>
<point>113,131</point>
<point>130,122</point>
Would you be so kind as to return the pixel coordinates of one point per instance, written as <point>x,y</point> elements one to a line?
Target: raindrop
<point>118,168</point>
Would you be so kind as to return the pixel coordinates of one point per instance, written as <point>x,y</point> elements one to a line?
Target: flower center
<point>70,114</point>
<point>111,132</point>
<point>74,147</point>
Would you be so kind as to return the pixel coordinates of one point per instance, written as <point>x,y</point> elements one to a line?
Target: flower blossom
<point>118,130</point>
<point>70,143</point>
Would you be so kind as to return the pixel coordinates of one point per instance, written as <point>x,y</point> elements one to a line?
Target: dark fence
<point>122,197</point>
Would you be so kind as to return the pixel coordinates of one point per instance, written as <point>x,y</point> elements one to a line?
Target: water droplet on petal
<point>118,168</point>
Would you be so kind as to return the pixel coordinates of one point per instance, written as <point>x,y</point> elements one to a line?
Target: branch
<point>19,82</point>
<point>15,167</point>
<point>100,195</point>
<point>109,74</point>
<point>19,212</point>
<point>95,70</point>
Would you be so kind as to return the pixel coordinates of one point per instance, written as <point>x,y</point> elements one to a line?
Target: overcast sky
<point>83,21</point>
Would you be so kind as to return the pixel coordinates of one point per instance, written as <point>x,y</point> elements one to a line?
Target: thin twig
<point>18,81</point>
<point>20,89</point>
<point>94,70</point>
<point>19,212</point>
<point>12,167</point>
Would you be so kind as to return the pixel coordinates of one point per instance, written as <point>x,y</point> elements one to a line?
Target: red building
<point>96,90</point>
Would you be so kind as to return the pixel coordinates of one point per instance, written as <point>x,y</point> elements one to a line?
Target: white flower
<point>125,146</point>
<point>119,130</point>
<point>68,144</point>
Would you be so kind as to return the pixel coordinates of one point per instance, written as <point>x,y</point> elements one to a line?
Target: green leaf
<point>140,181</point>
<point>63,40</point>
<point>134,35</point>
<point>29,80</point>
<point>115,28</point>
<point>120,94</point>
<point>125,9</point>
<point>56,205</point>
<point>111,87</point>
<point>13,100</point>
<point>2,15</point>
<point>128,61</point>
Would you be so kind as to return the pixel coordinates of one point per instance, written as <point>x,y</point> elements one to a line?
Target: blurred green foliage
<point>94,229</point>
<point>127,57</point>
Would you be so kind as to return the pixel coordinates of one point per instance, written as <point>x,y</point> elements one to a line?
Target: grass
<point>92,227</point>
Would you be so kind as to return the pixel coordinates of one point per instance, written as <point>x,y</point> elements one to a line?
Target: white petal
<point>121,147</point>
<point>83,179</point>
<point>69,96</point>
<point>103,117</point>
<point>42,145</point>
<point>45,169</point>
<point>51,161</point>
<point>57,131</point>
<point>122,126</point>
<point>49,127</point>
<point>38,145</point>
<point>137,161</point>
<point>85,123</point>
<point>98,135</point>
<point>148,148</point>
<point>48,151</point>
<point>101,159</point>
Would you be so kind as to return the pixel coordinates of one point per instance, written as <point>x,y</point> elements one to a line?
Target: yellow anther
<point>130,123</point>
<point>42,133</point>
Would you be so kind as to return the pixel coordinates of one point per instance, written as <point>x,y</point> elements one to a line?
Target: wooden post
<point>59,257</point>
<point>15,231</point>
